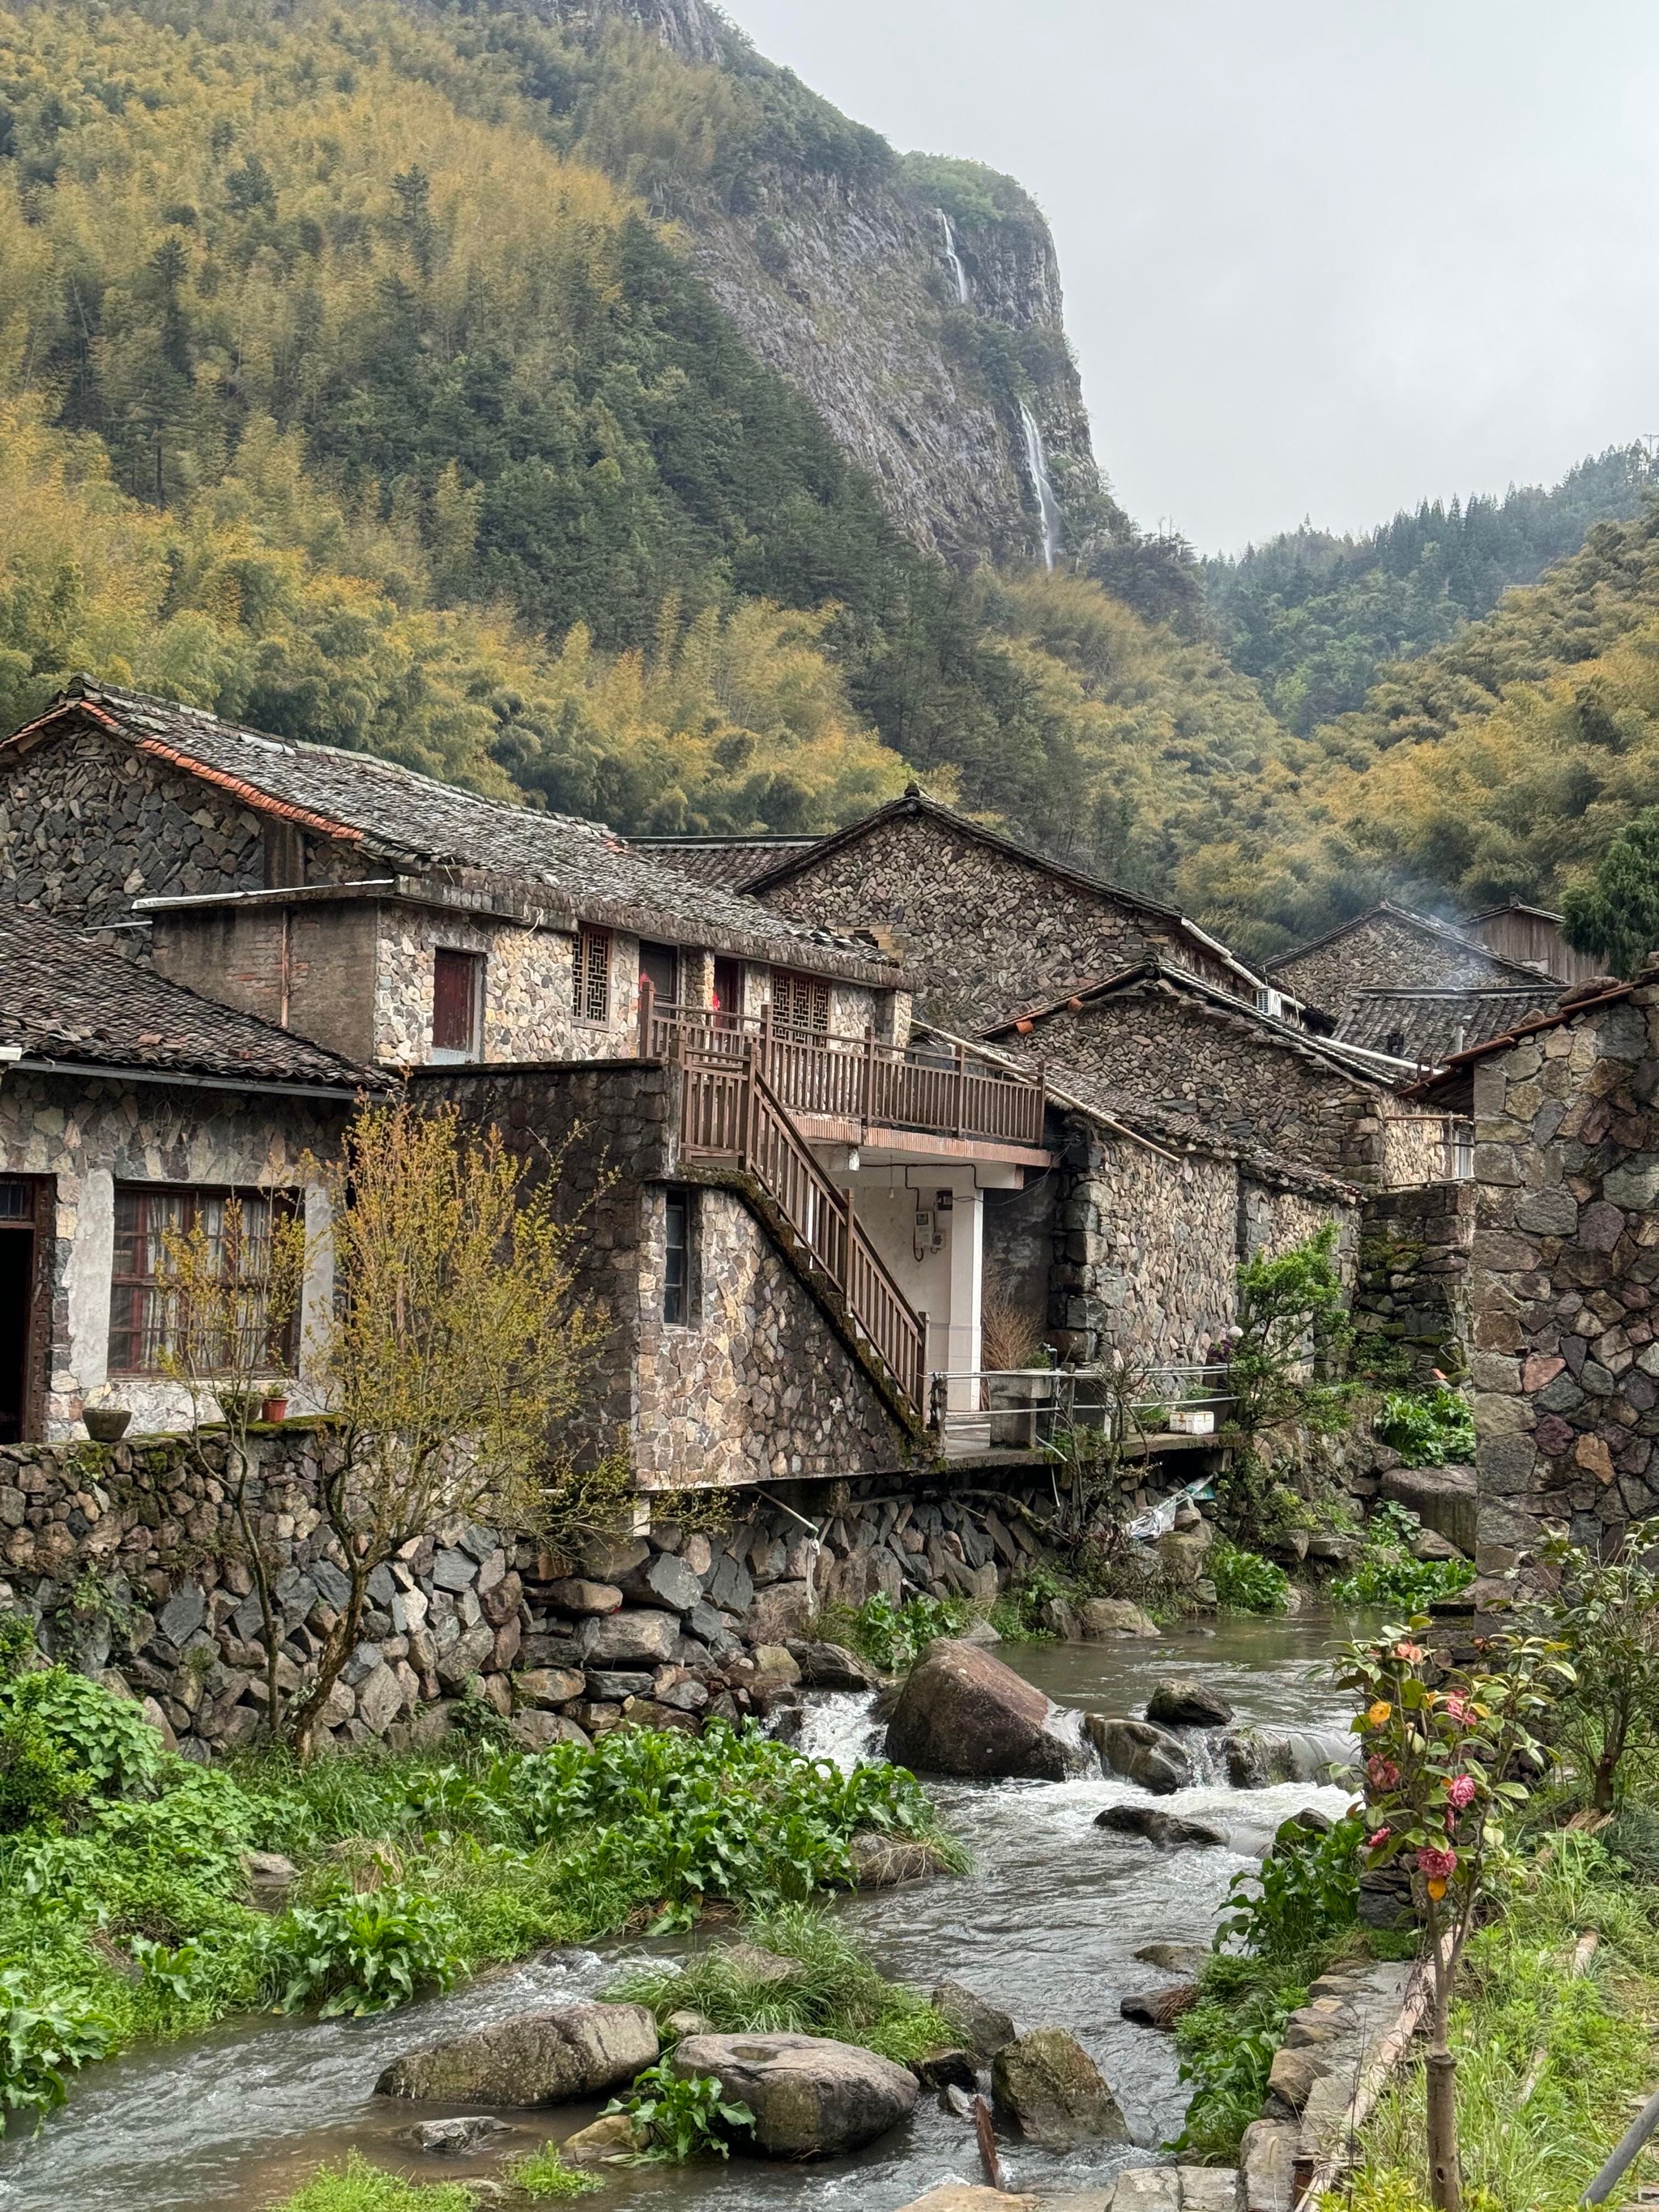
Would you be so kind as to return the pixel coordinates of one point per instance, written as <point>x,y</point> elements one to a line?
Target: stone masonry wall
<point>90,1136</point>
<point>1565,1363</point>
<point>1385,952</point>
<point>1411,1300</point>
<point>982,932</point>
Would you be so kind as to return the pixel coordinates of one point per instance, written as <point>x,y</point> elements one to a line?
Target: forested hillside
<point>1313,617</point>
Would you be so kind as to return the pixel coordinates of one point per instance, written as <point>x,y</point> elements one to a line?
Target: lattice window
<point>800,1003</point>
<point>591,994</point>
<point>145,1322</point>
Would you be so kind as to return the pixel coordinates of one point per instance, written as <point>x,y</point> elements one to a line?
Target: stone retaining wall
<point>1410,1298</point>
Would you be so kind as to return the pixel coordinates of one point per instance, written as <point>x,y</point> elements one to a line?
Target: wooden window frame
<point>800,1003</point>
<point>590,980</point>
<point>442,954</point>
<point>679,1297</point>
<point>134,1326</point>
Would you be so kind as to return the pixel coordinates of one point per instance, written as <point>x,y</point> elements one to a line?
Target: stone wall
<point>982,931</point>
<point>89,1136</point>
<point>527,1011</point>
<point>1236,1079</point>
<point>1387,951</point>
<point>1565,1360</point>
<point>1411,1300</point>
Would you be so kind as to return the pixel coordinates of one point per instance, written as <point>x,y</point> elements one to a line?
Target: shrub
<point>1607,1613</point>
<point>1428,1428</point>
<point>544,2173</point>
<point>681,2118</point>
<point>1245,1581</point>
<point>37,1783</point>
<point>1387,1574</point>
<point>361,1954</point>
<point>890,1637</point>
<point>1308,1891</point>
<point>105,1739</point>
<point>40,2041</point>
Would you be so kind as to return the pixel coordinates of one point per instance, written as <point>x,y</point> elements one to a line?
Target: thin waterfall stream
<point>952,256</point>
<point>1047,1925</point>
<point>1036,460</point>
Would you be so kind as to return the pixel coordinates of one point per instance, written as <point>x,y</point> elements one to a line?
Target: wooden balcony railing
<point>729,1111</point>
<point>857,1079</point>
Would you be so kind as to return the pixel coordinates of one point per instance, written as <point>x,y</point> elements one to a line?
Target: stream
<point>1046,1927</point>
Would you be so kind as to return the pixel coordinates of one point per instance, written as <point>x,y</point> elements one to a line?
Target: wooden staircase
<point>730,1113</point>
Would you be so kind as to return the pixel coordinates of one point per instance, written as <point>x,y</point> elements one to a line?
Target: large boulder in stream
<point>548,2057</point>
<point>1187,1704</point>
<point>811,2097</point>
<point>961,1711</point>
<point>1047,2083</point>
<point>1167,1830</point>
<point>1256,1758</point>
<point>1150,1757</point>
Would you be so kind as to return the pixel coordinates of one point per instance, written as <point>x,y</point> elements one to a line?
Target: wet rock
<point>946,2068</point>
<point>449,2138</point>
<point>1258,1757</point>
<point>964,1712</point>
<point>1188,1958</point>
<point>831,1667</point>
<point>882,1862</point>
<point>982,2026</point>
<point>548,2057</point>
<point>812,2098</point>
<point>271,1877</point>
<point>615,2135</point>
<point>1101,1619</point>
<point>1150,1757</point>
<point>1049,2084</point>
<point>1167,1830</point>
<point>773,1666</point>
<point>1159,2008</point>
<point>1187,1704</point>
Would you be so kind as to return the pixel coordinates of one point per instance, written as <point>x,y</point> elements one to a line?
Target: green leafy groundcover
<point>122,1905</point>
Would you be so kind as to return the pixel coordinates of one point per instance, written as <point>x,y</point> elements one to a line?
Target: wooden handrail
<point>731,1111</point>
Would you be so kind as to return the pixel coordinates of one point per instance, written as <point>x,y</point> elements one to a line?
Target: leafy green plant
<point>1293,1330</point>
<point>891,1636</point>
<point>37,1782</point>
<point>1427,1428</point>
<point>106,1740</point>
<point>1385,1573</point>
<point>1307,1890</point>
<point>1607,1611</point>
<point>544,2173</point>
<point>681,2118</point>
<point>1227,2044</point>
<point>1244,1581</point>
<point>40,2041</point>
<point>361,1952</point>
<point>357,2186</point>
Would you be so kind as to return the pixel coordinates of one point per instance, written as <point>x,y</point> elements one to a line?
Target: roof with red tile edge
<point>1571,1007</point>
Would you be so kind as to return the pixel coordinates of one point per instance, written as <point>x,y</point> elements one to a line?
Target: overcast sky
<point>1321,256</point>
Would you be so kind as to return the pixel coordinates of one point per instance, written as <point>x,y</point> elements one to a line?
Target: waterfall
<point>1048,506</point>
<point>953,257</point>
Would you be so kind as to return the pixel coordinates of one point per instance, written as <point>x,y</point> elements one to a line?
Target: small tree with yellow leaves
<point>453,1353</point>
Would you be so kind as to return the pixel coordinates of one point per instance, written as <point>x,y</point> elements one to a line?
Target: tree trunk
<point>1445,2180</point>
<point>341,1643</point>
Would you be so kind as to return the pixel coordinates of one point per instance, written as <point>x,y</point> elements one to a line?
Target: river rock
<point>1150,1757</point>
<point>630,1638</point>
<point>1187,1704</point>
<point>963,1711</point>
<point>449,2138</point>
<point>831,1667</point>
<point>1101,1618</point>
<point>812,2098</point>
<point>663,1580</point>
<point>983,2027</point>
<point>1187,1959</point>
<point>1159,2008</point>
<point>271,1877</point>
<point>1167,1830</point>
<point>945,2068</point>
<point>615,2134</point>
<point>1258,1757</point>
<point>1148,2189</point>
<point>882,1862</point>
<point>781,1613</point>
<point>575,1594</point>
<point>966,2196</point>
<point>548,2057</point>
<point>750,1963</point>
<point>1442,1498</point>
<point>1047,2082</point>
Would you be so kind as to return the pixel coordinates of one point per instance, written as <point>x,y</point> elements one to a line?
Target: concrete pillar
<point>967,1275</point>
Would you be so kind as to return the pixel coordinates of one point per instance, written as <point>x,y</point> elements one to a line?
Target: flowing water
<point>959,273</point>
<point>1046,1926</point>
<point>1036,460</point>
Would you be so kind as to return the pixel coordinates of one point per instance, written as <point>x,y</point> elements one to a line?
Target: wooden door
<point>28,1211</point>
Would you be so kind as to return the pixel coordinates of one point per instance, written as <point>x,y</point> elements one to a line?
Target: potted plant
<point>106,1424</point>
<point>274,1405</point>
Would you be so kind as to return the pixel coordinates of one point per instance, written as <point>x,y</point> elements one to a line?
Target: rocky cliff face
<point>923,340</point>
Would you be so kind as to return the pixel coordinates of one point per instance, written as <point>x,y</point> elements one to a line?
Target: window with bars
<point>146,1320</point>
<point>591,985</point>
<point>800,1003</point>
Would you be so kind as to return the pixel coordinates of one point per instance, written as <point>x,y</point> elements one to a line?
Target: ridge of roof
<point>401,814</point>
<point>914,800</point>
<point>1426,923</point>
<point>1352,1060</point>
<point>72,1000</point>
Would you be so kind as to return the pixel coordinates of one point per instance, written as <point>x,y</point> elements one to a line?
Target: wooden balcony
<point>935,1091</point>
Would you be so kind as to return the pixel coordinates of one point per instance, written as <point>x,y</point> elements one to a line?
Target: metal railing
<point>1031,1409</point>
<point>730,1111</point>
<point>857,1079</point>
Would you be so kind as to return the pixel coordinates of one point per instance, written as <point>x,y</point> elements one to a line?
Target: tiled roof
<point>1428,1026</point>
<point>64,998</point>
<point>735,862</point>
<point>418,823</point>
<point>1583,998</point>
<point>1425,924</point>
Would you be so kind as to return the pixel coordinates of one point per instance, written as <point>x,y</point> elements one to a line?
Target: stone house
<point>1428,1026</point>
<point>1388,948</point>
<point>1563,1341</point>
<point>1154,1039</point>
<point>127,1105</point>
<point>985,926</point>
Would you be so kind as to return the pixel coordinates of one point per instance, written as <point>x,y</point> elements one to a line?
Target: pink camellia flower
<point>1438,1866</point>
<point>1460,1790</point>
<point>1409,1651</point>
<point>1375,1842</point>
<point>1459,1709</point>
<point>1382,1773</point>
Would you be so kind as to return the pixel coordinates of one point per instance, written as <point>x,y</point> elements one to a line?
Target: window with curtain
<point>145,1322</point>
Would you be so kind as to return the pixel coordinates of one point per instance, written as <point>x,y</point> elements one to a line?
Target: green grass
<point>836,1992</point>
<point>543,2174</point>
<point>357,2186</point>
<point>1517,1998</point>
